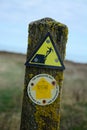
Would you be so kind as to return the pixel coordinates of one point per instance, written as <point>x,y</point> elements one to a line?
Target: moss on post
<point>35,117</point>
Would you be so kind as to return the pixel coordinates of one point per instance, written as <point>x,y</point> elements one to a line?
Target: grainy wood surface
<point>35,117</point>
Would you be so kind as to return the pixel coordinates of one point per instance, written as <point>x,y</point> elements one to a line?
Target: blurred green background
<point>73,97</point>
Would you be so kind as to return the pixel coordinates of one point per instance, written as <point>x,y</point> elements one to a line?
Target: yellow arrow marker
<point>43,89</point>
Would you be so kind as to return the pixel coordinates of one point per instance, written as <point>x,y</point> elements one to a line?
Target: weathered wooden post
<point>44,75</point>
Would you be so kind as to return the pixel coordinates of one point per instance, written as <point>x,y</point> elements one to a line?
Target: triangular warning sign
<point>46,55</point>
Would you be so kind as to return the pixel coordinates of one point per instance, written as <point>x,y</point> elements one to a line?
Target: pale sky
<point>16,15</point>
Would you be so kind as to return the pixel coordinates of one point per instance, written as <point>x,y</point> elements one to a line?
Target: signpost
<point>43,75</point>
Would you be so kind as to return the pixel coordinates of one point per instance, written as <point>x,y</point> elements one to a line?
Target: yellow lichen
<point>65,32</point>
<point>29,41</point>
<point>60,25</point>
<point>41,27</point>
<point>48,115</point>
<point>31,75</point>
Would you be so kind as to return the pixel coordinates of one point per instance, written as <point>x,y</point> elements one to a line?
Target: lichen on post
<point>34,116</point>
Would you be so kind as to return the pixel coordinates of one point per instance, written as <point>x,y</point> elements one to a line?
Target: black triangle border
<point>45,66</point>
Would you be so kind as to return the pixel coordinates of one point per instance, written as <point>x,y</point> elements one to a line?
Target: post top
<point>47,20</point>
<point>43,20</point>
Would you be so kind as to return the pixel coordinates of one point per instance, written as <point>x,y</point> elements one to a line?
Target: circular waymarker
<point>43,89</point>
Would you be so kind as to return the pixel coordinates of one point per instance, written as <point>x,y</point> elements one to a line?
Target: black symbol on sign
<point>40,58</point>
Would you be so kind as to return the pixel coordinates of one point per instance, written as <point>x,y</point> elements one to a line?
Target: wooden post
<point>36,116</point>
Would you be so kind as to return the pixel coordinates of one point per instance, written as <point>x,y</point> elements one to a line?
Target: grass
<point>74,93</point>
<point>9,98</point>
<point>74,117</point>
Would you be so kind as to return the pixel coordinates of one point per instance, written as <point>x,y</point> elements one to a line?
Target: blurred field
<point>74,93</point>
